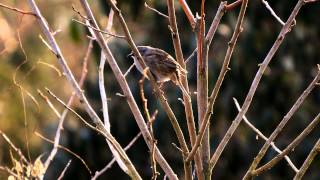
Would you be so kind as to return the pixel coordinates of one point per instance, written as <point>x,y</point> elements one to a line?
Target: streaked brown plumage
<point>161,64</point>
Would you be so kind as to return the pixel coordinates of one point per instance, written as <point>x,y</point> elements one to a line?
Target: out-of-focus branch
<point>17,150</point>
<point>124,85</point>
<point>104,32</point>
<point>289,148</point>
<point>99,125</point>
<point>307,162</point>
<point>18,10</point>
<point>259,133</point>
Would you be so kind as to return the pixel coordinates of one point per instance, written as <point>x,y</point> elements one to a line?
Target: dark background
<point>291,70</point>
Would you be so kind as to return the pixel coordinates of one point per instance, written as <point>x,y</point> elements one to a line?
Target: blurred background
<point>291,70</point>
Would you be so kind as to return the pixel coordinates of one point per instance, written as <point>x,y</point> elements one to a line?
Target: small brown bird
<point>161,64</point>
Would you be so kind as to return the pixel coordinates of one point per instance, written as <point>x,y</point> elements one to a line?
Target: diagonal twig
<point>259,133</point>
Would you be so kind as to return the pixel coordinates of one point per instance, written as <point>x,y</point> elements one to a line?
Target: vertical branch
<point>150,121</point>
<point>187,101</point>
<point>216,89</point>
<point>202,87</point>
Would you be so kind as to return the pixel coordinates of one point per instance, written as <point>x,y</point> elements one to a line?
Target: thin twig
<point>104,32</point>
<point>147,114</point>
<point>289,148</point>
<point>17,150</point>
<point>272,12</point>
<point>8,170</point>
<point>64,170</point>
<point>65,149</point>
<point>307,162</point>
<point>105,111</point>
<point>57,136</point>
<point>128,71</point>
<point>109,165</point>
<point>213,27</point>
<point>18,10</point>
<point>155,10</point>
<point>260,134</point>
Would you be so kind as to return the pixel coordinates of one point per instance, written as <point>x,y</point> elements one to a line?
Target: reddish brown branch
<point>233,5</point>
<point>188,13</point>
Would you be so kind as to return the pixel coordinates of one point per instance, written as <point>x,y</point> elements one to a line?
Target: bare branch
<point>315,150</point>
<point>64,170</point>
<point>18,10</point>
<point>272,12</point>
<point>45,29</point>
<point>184,82</point>
<point>289,148</point>
<point>122,82</point>
<point>233,5</point>
<point>217,86</point>
<point>17,150</point>
<point>259,133</point>
<point>104,32</point>
<point>109,165</point>
<point>188,13</point>
<point>65,149</point>
<point>293,109</point>
<point>156,11</point>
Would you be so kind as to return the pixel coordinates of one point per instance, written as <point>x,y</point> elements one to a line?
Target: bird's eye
<point>142,50</point>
